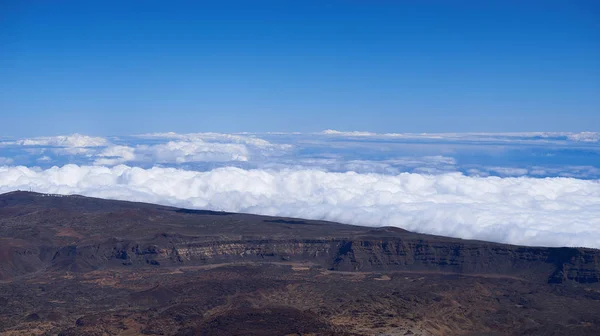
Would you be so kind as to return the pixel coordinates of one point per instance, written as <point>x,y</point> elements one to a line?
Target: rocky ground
<point>83,266</point>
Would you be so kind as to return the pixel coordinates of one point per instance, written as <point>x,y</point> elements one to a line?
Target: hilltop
<point>80,266</point>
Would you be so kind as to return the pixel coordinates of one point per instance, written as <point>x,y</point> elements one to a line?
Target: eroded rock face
<point>80,234</point>
<point>402,253</point>
<point>533,263</point>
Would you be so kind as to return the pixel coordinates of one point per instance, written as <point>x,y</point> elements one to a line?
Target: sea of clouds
<point>519,188</point>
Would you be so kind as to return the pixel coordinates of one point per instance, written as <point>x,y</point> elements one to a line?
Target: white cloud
<point>74,140</point>
<point>218,138</point>
<point>584,136</point>
<point>44,158</point>
<point>115,155</point>
<point>424,164</point>
<point>156,148</point>
<point>194,151</point>
<point>4,161</point>
<point>70,151</point>
<point>173,152</point>
<point>522,210</point>
<point>507,171</point>
<point>193,147</point>
<point>536,154</point>
<point>352,133</point>
<point>523,137</point>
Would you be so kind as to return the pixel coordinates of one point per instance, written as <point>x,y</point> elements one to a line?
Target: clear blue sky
<point>120,67</point>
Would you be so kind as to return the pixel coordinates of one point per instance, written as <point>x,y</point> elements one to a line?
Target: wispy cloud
<point>217,138</point>
<point>74,140</point>
<point>497,137</point>
<point>4,161</point>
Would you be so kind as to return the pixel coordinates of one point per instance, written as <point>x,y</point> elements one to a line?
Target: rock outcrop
<point>80,234</point>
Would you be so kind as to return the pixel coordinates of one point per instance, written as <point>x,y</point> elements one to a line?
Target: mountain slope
<point>90,255</point>
<point>77,233</point>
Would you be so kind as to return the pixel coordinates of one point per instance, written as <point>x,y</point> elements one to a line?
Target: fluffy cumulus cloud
<point>194,151</point>
<point>147,149</point>
<point>519,210</point>
<point>176,152</point>
<point>175,148</point>
<point>115,155</point>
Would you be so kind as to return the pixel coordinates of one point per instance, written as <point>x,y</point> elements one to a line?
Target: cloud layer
<point>537,154</point>
<point>520,210</point>
<point>489,186</point>
<point>145,149</point>
<point>74,140</point>
<point>590,137</point>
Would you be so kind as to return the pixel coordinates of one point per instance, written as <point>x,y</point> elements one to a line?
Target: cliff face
<point>579,265</point>
<point>80,234</point>
<point>552,265</point>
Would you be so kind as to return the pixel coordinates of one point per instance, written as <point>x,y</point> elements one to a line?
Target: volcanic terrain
<point>74,265</point>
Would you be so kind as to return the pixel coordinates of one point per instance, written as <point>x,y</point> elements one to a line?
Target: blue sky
<point>88,88</point>
<point>123,67</point>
